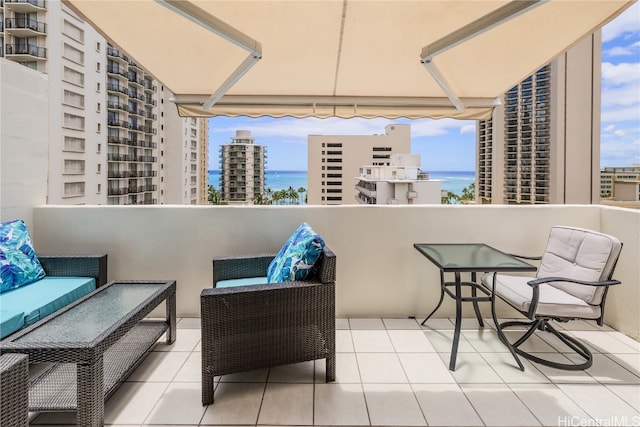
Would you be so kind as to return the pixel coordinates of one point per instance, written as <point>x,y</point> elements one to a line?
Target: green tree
<point>301,192</point>
<point>214,196</point>
<point>469,193</point>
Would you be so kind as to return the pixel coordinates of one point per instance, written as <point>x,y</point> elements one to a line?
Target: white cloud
<point>609,128</point>
<point>619,153</point>
<point>625,72</point>
<point>627,22</point>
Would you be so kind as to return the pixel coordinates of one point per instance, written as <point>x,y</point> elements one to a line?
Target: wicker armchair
<point>265,325</point>
<point>14,397</point>
<point>76,265</point>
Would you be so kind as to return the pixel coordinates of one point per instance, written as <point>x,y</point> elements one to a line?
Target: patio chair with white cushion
<point>572,282</point>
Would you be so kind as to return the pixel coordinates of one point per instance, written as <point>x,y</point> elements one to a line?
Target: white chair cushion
<point>580,254</point>
<point>552,302</point>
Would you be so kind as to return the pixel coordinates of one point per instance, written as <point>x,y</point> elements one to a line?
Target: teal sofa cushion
<point>10,321</point>
<point>247,281</point>
<point>38,300</point>
<point>297,257</point>
<point>19,265</point>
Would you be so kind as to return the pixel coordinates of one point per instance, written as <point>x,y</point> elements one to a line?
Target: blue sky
<point>448,144</point>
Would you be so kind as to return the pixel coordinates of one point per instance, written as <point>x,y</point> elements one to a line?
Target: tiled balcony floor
<point>389,372</point>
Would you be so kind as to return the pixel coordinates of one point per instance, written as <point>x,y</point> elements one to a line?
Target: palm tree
<point>213,196</point>
<point>301,192</point>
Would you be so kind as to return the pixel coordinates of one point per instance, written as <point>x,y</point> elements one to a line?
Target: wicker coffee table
<point>94,344</point>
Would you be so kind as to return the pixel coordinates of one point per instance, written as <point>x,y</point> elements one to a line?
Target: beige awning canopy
<point>344,58</point>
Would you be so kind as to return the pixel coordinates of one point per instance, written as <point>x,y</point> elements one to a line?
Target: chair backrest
<point>580,254</point>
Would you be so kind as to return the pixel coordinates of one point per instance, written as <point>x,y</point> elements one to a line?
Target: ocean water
<point>453,181</point>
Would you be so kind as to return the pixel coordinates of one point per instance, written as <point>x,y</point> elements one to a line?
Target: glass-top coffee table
<point>93,345</point>
<point>471,258</point>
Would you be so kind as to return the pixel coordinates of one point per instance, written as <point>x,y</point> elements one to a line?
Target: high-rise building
<point>334,161</point>
<point>542,145</point>
<point>400,183</point>
<point>108,125</point>
<point>620,183</point>
<point>242,165</point>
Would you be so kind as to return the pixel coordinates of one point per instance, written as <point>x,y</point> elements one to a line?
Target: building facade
<point>542,145</point>
<point>620,183</point>
<point>242,165</point>
<point>335,160</point>
<point>400,183</point>
<point>106,131</point>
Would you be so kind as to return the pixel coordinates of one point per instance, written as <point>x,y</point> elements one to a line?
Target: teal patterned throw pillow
<point>297,257</point>
<point>18,262</point>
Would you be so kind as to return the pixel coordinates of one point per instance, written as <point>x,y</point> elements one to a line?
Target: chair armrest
<point>76,265</point>
<point>541,280</point>
<point>535,258</point>
<point>240,267</point>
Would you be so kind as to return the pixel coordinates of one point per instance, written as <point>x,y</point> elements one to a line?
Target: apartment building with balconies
<point>242,165</point>
<point>106,131</point>
<point>400,183</point>
<point>335,160</point>
<point>532,150</point>
<point>620,183</point>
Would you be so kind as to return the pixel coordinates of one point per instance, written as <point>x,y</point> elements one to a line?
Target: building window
<point>99,167</point>
<point>74,77</point>
<point>97,67</point>
<point>72,121</point>
<point>73,189</point>
<point>98,46</point>
<point>73,99</point>
<point>73,167</point>
<point>73,54</point>
<point>99,188</point>
<point>99,127</point>
<point>98,87</point>
<point>72,143</point>
<point>98,107</point>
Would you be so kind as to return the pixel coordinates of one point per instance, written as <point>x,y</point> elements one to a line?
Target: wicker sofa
<point>14,396</point>
<point>265,325</point>
<point>68,277</point>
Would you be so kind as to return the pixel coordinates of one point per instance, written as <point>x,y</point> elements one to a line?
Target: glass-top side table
<point>471,258</point>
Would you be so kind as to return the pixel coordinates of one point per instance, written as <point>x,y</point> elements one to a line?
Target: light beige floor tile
<point>533,344</point>
<point>629,361</point>
<point>443,340</point>
<point>506,367</point>
<point>409,341</point>
<point>366,323</point>
<point>371,341</point>
<point>186,341</point>
<point>625,339</point>
<point>403,323</point>
<point>191,371</point>
<point>255,376</point>
<point>288,404</point>
<point>607,371</point>
<point>340,404</point>
<point>578,325</point>
<point>344,342</point>
<point>549,404</point>
<point>630,393</point>
<point>342,323</point>
<point>181,403</point>
<point>346,369</point>
<point>497,405</point>
<point>603,342</point>
<point>562,375</point>
<point>600,402</point>
<point>484,340</point>
<point>235,403</point>
<point>189,323</point>
<point>471,368</point>
<point>470,323</point>
<point>445,405</point>
<point>436,324</point>
<point>133,402</point>
<point>160,366</point>
<point>380,368</point>
<point>294,373</point>
<point>425,368</point>
<point>393,404</point>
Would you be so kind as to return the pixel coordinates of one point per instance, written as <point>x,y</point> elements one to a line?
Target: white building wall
<point>24,147</point>
<point>349,153</point>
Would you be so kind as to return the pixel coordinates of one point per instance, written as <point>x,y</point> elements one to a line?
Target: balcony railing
<point>26,49</point>
<point>31,25</point>
<point>26,5</point>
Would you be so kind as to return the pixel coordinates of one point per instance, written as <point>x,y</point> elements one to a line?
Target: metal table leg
<point>456,332</point>
<point>442,287</point>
